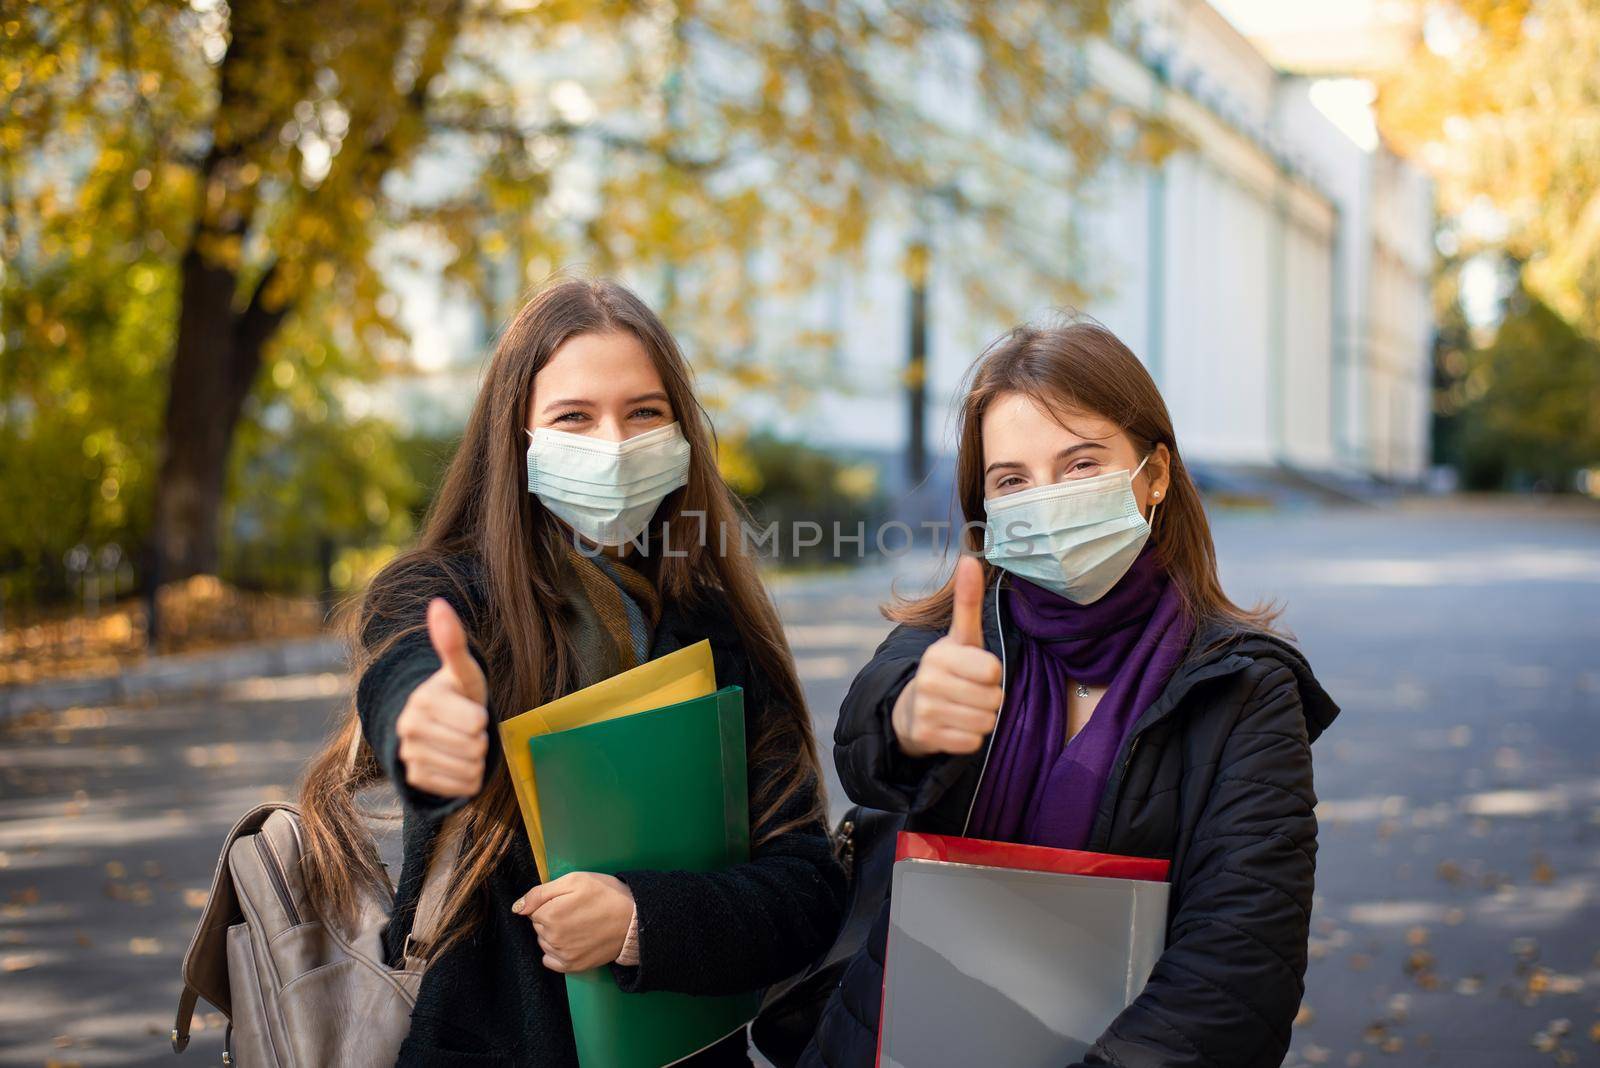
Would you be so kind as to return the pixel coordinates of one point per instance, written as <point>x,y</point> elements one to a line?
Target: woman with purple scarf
<point>1082,682</point>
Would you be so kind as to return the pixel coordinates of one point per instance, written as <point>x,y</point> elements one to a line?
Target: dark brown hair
<point>1082,368</point>
<point>483,507</point>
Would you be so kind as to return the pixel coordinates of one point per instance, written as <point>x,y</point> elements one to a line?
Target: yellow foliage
<point>738,467</point>
<point>1503,106</point>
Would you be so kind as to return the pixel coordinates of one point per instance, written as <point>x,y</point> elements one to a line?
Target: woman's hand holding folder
<point>444,727</point>
<point>581,919</point>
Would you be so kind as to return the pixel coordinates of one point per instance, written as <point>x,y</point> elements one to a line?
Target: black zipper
<point>1097,842</point>
<point>269,860</point>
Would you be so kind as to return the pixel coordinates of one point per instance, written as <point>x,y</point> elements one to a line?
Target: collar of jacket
<point>1217,650</point>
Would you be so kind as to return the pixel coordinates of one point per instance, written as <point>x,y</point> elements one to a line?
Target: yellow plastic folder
<point>679,676</point>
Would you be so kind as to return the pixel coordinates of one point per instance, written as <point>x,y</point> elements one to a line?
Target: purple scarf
<point>1040,788</point>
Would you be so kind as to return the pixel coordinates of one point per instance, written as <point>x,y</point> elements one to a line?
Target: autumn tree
<point>1501,101</point>
<point>183,186</point>
<point>1522,410</point>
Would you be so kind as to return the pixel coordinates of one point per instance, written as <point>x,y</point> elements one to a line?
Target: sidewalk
<point>186,674</point>
<point>201,674</point>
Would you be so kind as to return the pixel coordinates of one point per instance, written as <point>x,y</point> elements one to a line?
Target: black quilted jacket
<point>1215,776</point>
<point>490,1001</point>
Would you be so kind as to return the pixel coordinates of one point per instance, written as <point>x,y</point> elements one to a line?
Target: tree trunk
<point>200,420</point>
<point>218,349</point>
<point>214,364</point>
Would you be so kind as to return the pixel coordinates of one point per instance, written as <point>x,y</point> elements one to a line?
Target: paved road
<point>1458,914</point>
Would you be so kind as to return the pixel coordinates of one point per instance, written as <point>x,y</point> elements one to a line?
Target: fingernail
<point>517,906</point>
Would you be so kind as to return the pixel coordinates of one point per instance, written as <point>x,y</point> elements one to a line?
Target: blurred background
<point>253,256</point>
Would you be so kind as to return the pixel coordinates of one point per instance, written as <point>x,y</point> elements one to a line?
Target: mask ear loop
<point>1149,520</point>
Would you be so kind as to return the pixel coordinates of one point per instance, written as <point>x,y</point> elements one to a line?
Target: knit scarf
<point>1040,787</point>
<point>612,611</point>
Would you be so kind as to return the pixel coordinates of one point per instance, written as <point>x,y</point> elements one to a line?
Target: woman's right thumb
<point>449,640</point>
<point>966,613</point>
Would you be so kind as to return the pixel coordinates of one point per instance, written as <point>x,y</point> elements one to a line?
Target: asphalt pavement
<point>1457,919</point>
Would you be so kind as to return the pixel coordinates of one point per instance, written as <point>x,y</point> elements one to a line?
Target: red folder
<point>914,846</point>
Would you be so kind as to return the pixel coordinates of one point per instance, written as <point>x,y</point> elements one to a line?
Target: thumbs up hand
<point>953,701</point>
<point>444,727</point>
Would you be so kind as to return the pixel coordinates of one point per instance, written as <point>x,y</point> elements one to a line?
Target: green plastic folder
<point>660,790</point>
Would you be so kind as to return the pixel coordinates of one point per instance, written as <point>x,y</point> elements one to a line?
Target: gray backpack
<point>295,992</point>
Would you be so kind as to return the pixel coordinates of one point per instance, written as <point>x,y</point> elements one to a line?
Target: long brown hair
<point>484,508</point>
<point>1081,367</point>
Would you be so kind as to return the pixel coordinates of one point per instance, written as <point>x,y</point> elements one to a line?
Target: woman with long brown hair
<point>1082,682</point>
<point>567,543</point>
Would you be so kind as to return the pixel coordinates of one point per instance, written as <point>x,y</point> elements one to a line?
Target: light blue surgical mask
<point>1075,538</point>
<point>606,490</point>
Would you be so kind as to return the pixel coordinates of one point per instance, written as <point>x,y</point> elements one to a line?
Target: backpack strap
<point>180,1027</point>
<point>428,919</point>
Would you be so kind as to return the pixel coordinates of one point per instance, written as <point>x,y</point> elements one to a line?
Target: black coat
<point>1215,776</point>
<point>490,1000</point>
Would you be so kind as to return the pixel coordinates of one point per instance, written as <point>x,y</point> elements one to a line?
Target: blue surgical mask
<point>1075,538</point>
<point>606,490</point>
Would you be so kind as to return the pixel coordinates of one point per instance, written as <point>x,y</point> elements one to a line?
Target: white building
<point>1273,275</point>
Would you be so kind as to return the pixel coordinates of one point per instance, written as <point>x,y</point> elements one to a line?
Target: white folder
<point>1020,962</point>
